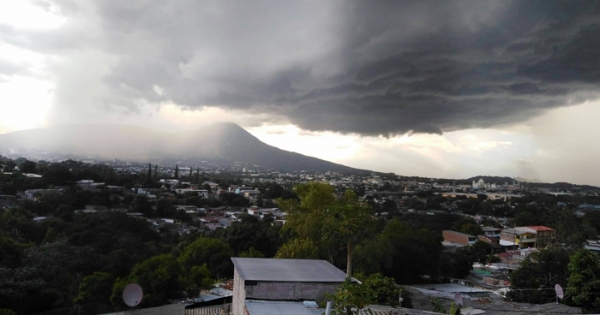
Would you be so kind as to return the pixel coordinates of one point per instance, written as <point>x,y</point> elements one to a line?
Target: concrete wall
<point>290,290</point>
<point>239,294</point>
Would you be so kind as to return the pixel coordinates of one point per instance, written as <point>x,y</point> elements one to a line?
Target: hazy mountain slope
<point>222,141</point>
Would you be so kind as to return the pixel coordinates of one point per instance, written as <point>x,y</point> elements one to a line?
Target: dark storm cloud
<point>371,67</point>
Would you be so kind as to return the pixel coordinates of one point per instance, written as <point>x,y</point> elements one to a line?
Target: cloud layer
<point>371,68</point>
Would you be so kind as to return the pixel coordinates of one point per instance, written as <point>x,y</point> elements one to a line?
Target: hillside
<point>221,141</point>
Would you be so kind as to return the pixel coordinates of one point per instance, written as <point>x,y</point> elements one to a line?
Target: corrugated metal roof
<point>292,270</point>
<point>224,309</point>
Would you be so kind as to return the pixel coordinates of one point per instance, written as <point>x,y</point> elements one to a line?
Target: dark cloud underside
<point>370,67</point>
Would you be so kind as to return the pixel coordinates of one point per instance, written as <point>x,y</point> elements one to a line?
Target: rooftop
<point>282,308</point>
<point>489,229</point>
<point>292,270</point>
<point>540,228</point>
<point>459,233</point>
<point>520,230</point>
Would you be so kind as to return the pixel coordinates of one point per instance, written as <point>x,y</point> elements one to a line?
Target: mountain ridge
<point>219,141</point>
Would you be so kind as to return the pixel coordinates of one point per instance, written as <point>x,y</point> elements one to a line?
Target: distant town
<point>444,237</point>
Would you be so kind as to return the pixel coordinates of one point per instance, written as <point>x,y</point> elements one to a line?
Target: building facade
<point>282,280</point>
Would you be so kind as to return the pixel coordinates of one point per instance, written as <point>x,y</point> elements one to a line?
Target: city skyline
<point>449,90</point>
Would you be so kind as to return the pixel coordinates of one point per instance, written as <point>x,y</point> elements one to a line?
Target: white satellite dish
<point>132,294</point>
<point>559,291</point>
<point>458,299</point>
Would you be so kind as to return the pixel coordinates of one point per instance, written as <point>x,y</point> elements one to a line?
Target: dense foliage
<point>73,257</point>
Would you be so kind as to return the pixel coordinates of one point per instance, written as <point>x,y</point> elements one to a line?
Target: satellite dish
<point>132,294</point>
<point>559,291</point>
<point>458,299</point>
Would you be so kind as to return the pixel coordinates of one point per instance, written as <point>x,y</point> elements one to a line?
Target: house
<point>169,181</point>
<point>241,190</point>
<point>515,257</point>
<point>491,232</point>
<point>592,245</point>
<point>251,193</point>
<point>538,236</point>
<point>200,192</point>
<point>189,209</point>
<point>34,194</point>
<point>209,220</point>
<point>262,211</point>
<point>212,185</point>
<point>172,221</point>
<point>88,184</point>
<point>544,235</point>
<point>458,238</point>
<point>138,215</point>
<point>213,226</point>
<point>274,280</point>
<point>521,236</point>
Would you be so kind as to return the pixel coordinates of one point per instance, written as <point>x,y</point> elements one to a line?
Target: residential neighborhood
<point>471,239</point>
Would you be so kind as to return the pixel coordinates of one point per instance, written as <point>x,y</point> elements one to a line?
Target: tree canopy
<point>333,226</point>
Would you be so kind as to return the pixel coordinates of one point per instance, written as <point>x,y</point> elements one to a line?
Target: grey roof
<point>289,270</point>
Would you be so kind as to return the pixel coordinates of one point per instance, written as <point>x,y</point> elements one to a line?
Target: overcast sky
<point>430,88</point>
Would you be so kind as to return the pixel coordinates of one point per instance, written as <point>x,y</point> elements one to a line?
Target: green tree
<point>351,297</point>
<point>436,305</point>
<point>568,229</point>
<point>176,171</point>
<point>235,200</point>
<point>9,166</point>
<point>142,204</point>
<point>5,311</point>
<point>385,290</point>
<point>252,253</point>
<point>198,278</point>
<point>251,232</point>
<point>212,252</point>
<point>472,229</point>
<point>27,167</point>
<point>454,309</point>
<point>467,226</point>
<point>423,246</point>
<point>347,223</point>
<point>95,288</point>
<point>456,265</point>
<point>159,278</point>
<point>584,281</point>
<point>299,249</point>
<point>370,253</point>
<point>541,270</point>
<point>479,251</point>
<point>18,288</point>
<point>155,170</point>
<point>332,226</point>
<point>149,170</point>
<point>57,175</point>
